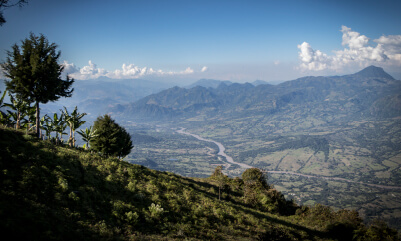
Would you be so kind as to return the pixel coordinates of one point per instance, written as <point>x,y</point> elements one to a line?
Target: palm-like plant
<point>2,100</point>
<point>74,121</point>
<point>59,126</point>
<point>87,135</point>
<point>47,125</point>
<point>20,109</point>
<point>5,118</point>
<point>43,126</point>
<point>31,120</point>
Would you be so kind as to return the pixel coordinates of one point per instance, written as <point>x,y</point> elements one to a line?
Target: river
<point>230,160</point>
<point>222,149</point>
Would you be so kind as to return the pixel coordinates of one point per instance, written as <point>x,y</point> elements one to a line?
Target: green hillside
<point>51,192</point>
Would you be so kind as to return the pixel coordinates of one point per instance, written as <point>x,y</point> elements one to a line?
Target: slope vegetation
<point>51,192</point>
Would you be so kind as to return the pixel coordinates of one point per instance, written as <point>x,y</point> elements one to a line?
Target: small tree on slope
<point>111,139</point>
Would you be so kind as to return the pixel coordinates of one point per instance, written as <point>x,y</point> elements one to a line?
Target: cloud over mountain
<point>358,50</point>
<point>127,71</point>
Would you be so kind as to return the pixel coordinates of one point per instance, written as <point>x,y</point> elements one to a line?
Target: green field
<point>358,151</point>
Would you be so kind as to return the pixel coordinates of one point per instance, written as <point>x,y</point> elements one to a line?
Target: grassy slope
<point>51,192</point>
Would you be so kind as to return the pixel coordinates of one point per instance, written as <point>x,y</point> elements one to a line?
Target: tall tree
<point>111,138</point>
<point>34,73</point>
<point>220,178</point>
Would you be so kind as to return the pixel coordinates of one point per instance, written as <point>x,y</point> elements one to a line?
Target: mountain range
<point>95,96</point>
<point>370,92</point>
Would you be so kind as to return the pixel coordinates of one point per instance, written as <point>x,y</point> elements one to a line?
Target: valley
<point>337,128</point>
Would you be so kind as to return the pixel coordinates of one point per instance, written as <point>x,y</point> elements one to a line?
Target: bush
<point>111,139</point>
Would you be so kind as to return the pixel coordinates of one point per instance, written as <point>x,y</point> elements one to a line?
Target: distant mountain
<point>374,72</point>
<point>96,96</point>
<point>211,83</point>
<point>259,82</point>
<point>349,96</point>
<point>208,83</point>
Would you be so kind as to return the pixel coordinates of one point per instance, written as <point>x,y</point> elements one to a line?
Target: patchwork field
<point>350,152</point>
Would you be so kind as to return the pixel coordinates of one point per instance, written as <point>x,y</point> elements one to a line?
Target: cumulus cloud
<point>127,71</point>
<point>357,50</point>
<point>312,59</point>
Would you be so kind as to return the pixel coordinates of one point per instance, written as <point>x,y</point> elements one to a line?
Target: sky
<point>182,41</point>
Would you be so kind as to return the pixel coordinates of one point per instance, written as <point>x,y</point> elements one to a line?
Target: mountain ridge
<point>361,88</point>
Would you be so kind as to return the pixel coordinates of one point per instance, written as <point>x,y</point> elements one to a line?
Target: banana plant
<point>5,118</point>
<point>47,125</point>
<point>74,121</point>
<point>59,126</point>
<point>42,123</point>
<point>87,135</point>
<point>20,109</point>
<point>2,101</point>
<point>31,120</point>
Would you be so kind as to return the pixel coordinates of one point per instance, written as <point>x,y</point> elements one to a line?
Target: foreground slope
<point>55,193</point>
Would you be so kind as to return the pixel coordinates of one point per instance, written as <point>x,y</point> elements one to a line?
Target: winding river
<point>230,161</point>
<point>222,149</point>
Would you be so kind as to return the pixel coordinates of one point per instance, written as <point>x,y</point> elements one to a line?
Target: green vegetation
<point>50,192</point>
<point>74,120</point>
<point>34,73</point>
<point>111,139</point>
<point>356,151</point>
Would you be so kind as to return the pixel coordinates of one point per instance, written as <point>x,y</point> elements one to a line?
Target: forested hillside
<point>51,192</point>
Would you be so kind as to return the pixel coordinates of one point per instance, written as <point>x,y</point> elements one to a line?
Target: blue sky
<point>183,41</point>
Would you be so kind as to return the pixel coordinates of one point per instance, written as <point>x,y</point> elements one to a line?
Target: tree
<point>254,177</point>
<point>4,4</point>
<point>74,121</point>
<point>220,178</point>
<point>87,135</point>
<point>111,138</point>
<point>34,73</point>
<point>254,184</point>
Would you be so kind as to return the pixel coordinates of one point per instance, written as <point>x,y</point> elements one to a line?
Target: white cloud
<point>313,59</point>
<point>357,51</point>
<point>69,68</point>
<point>127,71</point>
<point>353,39</point>
<point>204,69</point>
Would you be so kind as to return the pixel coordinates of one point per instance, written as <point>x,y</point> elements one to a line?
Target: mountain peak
<point>374,72</point>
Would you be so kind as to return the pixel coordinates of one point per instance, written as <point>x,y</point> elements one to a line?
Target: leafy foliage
<point>111,138</point>
<point>74,120</point>
<point>87,135</point>
<point>34,73</point>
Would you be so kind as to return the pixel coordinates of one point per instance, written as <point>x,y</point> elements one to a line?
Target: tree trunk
<point>18,123</point>
<point>37,119</point>
<point>70,139</point>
